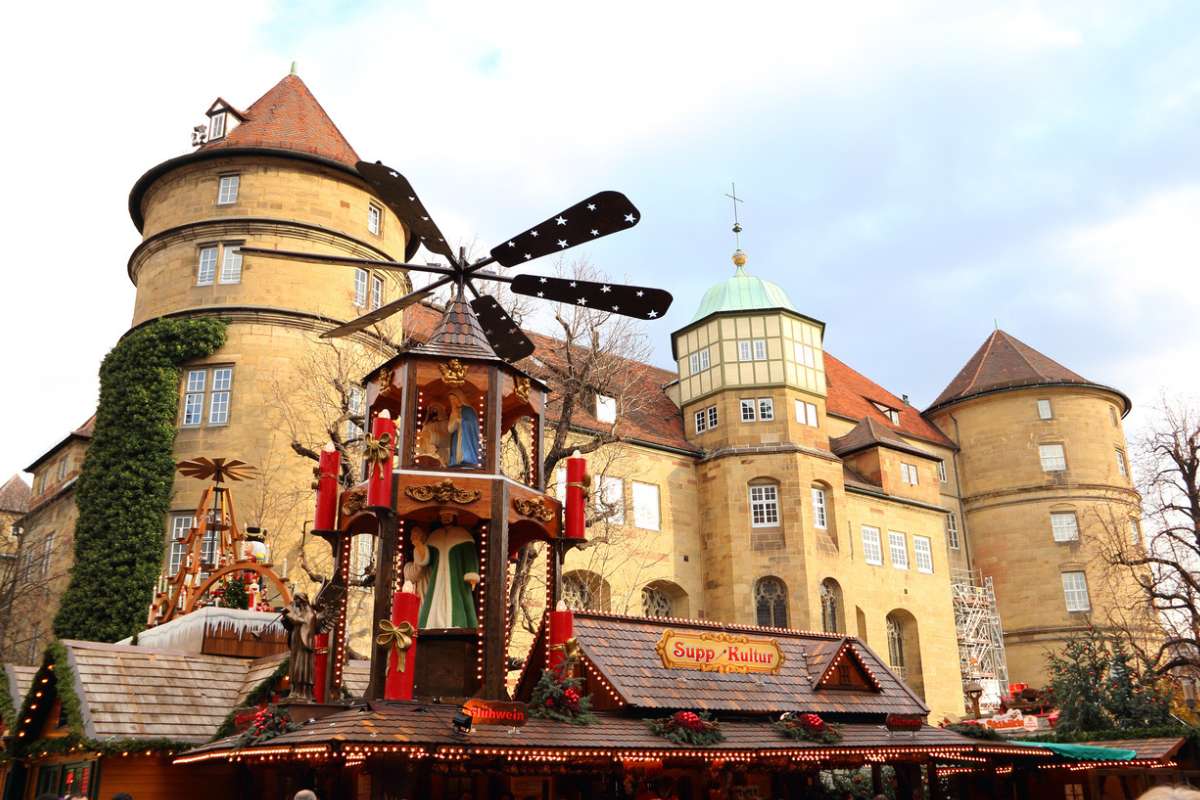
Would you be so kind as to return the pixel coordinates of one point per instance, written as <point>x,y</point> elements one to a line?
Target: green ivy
<point>124,488</point>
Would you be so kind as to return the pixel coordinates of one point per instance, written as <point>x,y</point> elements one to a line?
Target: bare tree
<point>1163,555</point>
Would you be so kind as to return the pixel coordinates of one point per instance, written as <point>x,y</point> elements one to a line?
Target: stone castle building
<point>761,481</point>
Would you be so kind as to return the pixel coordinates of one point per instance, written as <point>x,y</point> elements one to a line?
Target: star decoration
<point>630,218</point>
<point>595,232</point>
<point>541,280</point>
<point>393,173</point>
<point>425,219</point>
<point>572,284</point>
<point>606,289</point>
<point>527,256</point>
<point>652,314</point>
<point>640,293</point>
<point>616,308</point>
<point>512,244</point>
<point>591,206</point>
<point>533,234</point>
<point>582,301</point>
<point>541,294</point>
<point>412,199</point>
<point>560,220</point>
<point>562,242</point>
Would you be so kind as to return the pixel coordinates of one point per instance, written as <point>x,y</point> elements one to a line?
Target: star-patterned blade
<point>384,311</point>
<point>397,192</point>
<point>503,334</point>
<point>601,214</point>
<point>641,302</point>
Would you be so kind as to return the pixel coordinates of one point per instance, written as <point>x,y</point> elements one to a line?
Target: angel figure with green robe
<point>450,567</point>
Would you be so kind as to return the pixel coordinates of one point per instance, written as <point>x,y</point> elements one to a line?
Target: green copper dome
<point>742,292</point>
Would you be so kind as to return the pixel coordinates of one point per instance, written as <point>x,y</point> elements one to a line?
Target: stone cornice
<point>1051,492</point>
<point>767,449</point>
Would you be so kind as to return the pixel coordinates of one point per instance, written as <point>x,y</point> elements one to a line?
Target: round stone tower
<point>1045,481</point>
<point>277,175</point>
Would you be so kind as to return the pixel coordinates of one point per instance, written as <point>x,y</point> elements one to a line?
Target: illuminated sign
<point>495,712</point>
<point>718,652</point>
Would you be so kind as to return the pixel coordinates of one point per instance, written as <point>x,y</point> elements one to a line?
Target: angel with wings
<point>303,621</point>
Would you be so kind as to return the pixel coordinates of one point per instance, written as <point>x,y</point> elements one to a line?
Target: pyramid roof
<point>1005,362</point>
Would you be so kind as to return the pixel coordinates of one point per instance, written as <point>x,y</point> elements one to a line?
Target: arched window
<point>831,607</point>
<point>655,602</point>
<point>770,602</point>
<point>585,591</point>
<point>895,639</point>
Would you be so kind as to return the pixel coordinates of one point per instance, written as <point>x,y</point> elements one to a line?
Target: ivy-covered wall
<point>124,489</point>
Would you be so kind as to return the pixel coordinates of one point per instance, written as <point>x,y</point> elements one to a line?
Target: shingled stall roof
<point>15,679</point>
<point>624,651</point>
<point>1005,362</point>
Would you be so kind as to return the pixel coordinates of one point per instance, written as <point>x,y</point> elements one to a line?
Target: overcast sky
<point>912,172</point>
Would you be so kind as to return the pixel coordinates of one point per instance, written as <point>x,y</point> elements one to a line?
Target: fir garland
<point>972,730</point>
<point>688,728</point>
<point>107,747</point>
<point>807,728</point>
<point>124,487</point>
<point>260,696</point>
<point>64,689</point>
<point>557,697</point>
<point>268,723</point>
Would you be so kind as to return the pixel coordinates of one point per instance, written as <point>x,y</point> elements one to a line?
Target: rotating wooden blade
<point>384,311</point>
<point>349,261</point>
<point>397,192</point>
<point>641,302</point>
<point>599,215</point>
<point>502,332</point>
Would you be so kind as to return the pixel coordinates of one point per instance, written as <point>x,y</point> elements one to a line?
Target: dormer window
<point>891,413</point>
<point>216,125</point>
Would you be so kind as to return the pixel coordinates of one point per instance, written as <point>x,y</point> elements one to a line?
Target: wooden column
<point>876,779</point>
<point>385,567</point>
<point>495,598</point>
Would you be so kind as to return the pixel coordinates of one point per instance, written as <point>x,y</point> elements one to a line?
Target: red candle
<point>405,607</point>
<point>327,488</point>
<point>562,628</point>
<point>379,486</point>
<point>320,665</point>
<point>576,470</point>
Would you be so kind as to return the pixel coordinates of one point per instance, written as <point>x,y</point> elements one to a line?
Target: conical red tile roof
<point>288,117</point>
<point>1005,362</point>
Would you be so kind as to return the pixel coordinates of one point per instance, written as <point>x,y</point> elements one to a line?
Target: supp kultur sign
<point>718,652</point>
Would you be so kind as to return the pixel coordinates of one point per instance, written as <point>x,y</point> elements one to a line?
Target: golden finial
<point>739,256</point>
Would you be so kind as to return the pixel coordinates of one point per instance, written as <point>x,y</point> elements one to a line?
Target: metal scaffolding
<point>980,636</point>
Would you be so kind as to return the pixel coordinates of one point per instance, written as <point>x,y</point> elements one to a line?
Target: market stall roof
<point>428,726</point>
<point>625,652</point>
<point>1085,752</point>
<point>1158,748</point>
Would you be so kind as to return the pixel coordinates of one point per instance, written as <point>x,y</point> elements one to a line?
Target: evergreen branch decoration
<point>268,723</point>
<point>8,713</point>
<point>54,664</point>
<point>557,697</point>
<point>124,487</point>
<point>259,696</point>
<point>63,745</point>
<point>688,728</point>
<point>807,728</point>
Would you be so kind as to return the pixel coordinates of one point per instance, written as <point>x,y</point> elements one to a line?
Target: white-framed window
<point>610,500</point>
<point>766,409</point>
<point>1044,410</point>
<point>820,509</point>
<point>361,278</point>
<point>1135,532</point>
<point>748,410</point>
<point>805,355</point>
<point>923,554</point>
<point>760,349</point>
<point>376,291</point>
<point>355,407</point>
<point>1064,525</point>
<point>374,218</point>
<point>231,264</point>
<point>1122,465</point>
<point>62,467</point>
<point>941,469</point>
<point>712,417</point>
<point>227,189</point>
<point>701,419</point>
<point>218,404</point>
<point>47,553</point>
<point>180,525</point>
<point>193,398</point>
<point>898,549</point>
<point>764,506</point>
<point>698,361</point>
<point>745,351</point>
<point>206,268</point>
<point>872,548</point>
<point>646,512</point>
<point>606,408</point>
<point>216,126</point>
<point>1054,458</point>
<point>806,413</point>
<point>908,474</point>
<point>952,530</point>
<point>1075,591</point>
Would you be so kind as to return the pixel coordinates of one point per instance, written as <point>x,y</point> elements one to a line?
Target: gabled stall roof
<point>623,651</point>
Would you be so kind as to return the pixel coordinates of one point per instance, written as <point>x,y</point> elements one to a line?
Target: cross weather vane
<point>601,214</point>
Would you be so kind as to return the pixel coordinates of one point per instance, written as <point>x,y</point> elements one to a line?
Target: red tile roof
<point>850,394</point>
<point>1005,362</point>
<point>288,117</point>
